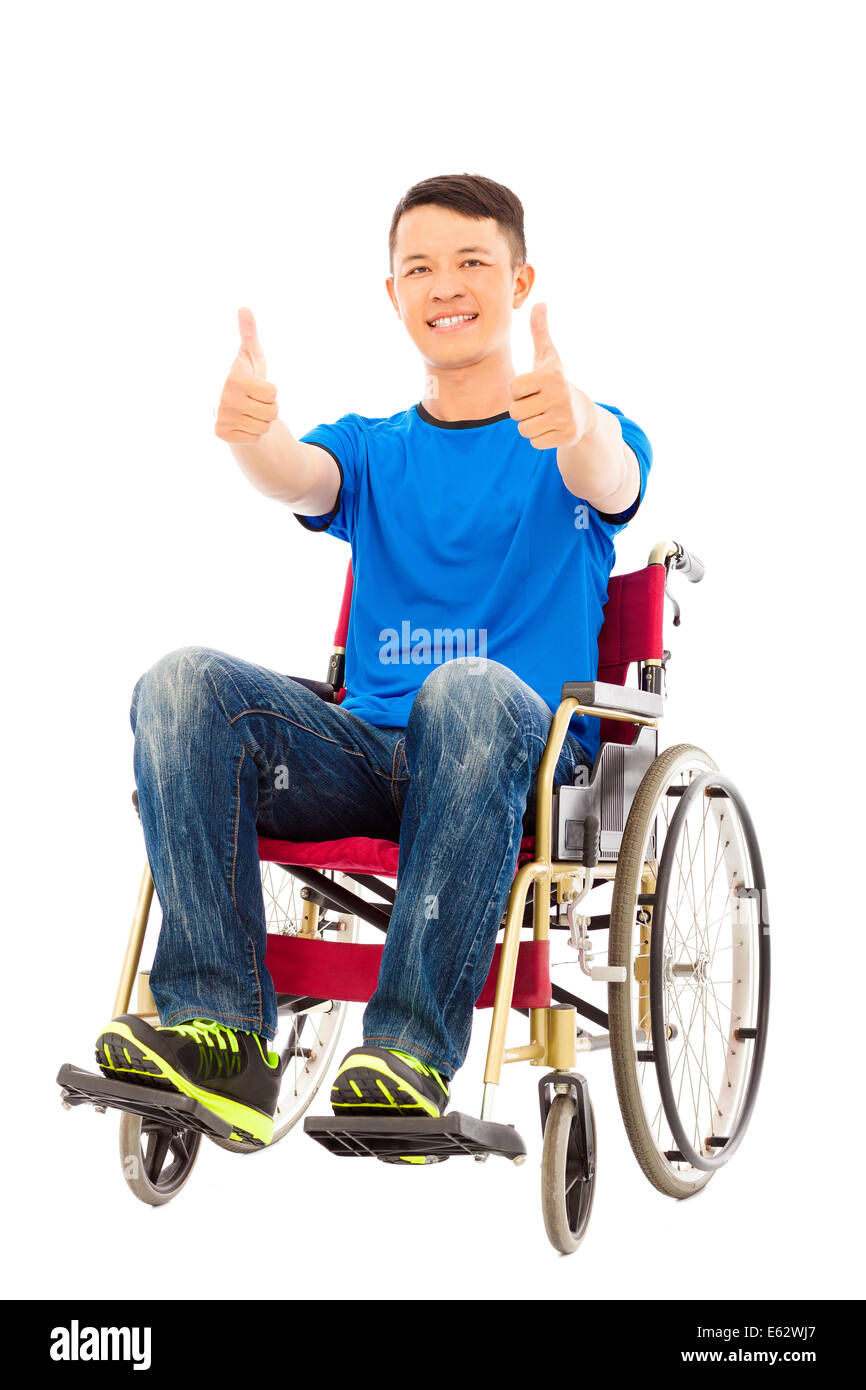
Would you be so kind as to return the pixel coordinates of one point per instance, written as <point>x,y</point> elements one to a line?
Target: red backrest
<point>632,630</point>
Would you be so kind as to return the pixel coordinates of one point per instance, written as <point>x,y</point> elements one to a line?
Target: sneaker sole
<point>120,1052</point>
<point>367,1085</point>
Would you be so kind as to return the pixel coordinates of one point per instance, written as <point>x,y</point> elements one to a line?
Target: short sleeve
<point>634,436</point>
<point>345,441</point>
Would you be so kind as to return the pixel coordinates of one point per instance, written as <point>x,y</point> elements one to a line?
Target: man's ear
<point>523,282</point>
<point>389,286</point>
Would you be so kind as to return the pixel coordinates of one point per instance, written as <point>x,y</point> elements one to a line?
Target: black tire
<point>567,1190</point>
<point>669,1016</point>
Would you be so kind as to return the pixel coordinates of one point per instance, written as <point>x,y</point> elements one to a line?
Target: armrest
<point>322,688</point>
<point>619,697</point>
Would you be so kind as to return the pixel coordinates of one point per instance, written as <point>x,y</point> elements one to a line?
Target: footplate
<point>409,1140</point>
<point>165,1107</point>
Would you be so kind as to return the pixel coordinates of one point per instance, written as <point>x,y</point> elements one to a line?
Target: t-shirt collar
<point>458,424</point>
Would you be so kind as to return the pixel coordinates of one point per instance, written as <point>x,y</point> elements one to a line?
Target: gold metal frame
<point>552,1031</point>
<point>134,944</point>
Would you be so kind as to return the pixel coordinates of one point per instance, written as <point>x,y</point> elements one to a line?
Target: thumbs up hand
<point>551,413</point>
<point>248,405</point>
<point>541,339</point>
<point>251,348</point>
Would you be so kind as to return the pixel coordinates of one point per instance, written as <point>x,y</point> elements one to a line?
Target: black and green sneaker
<point>386,1081</point>
<point>229,1072</point>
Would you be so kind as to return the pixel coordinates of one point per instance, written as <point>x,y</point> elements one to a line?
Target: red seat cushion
<point>355,854</point>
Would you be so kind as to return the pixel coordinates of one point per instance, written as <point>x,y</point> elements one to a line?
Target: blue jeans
<point>226,751</point>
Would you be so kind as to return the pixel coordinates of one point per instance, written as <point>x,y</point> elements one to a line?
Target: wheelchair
<point>683,950</point>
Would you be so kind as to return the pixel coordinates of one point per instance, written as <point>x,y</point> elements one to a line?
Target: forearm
<point>277,465</point>
<point>598,466</point>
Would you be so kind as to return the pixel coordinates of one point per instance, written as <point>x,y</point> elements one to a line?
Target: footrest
<point>165,1107</point>
<point>406,1139</point>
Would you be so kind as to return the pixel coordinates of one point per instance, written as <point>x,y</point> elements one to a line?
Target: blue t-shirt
<point>466,542</point>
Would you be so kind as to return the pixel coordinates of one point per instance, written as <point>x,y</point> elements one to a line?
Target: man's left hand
<point>551,413</point>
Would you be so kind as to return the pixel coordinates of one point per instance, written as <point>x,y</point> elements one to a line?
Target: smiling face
<point>453,285</point>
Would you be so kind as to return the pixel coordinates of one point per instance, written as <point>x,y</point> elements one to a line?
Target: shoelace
<point>208,1033</point>
<point>205,1031</point>
<point>214,1052</point>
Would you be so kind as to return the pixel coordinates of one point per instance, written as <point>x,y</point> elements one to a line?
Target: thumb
<point>544,349</point>
<point>251,348</point>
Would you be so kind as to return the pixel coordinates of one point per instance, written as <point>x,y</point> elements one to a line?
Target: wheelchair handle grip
<point>688,565</point>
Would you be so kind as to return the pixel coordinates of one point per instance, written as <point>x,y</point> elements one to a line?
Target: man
<point>481,522</point>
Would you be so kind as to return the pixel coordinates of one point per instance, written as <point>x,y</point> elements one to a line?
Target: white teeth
<point>458,318</point>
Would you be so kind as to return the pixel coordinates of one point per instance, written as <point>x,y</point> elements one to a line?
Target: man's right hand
<point>248,405</point>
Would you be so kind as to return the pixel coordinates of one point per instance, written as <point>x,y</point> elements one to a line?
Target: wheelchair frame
<point>568,820</point>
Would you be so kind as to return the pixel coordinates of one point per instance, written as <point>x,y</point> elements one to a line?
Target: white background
<point>690,178</point>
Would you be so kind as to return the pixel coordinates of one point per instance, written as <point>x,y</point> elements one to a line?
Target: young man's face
<point>450,266</point>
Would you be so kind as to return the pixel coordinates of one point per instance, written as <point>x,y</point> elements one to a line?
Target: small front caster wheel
<point>156,1159</point>
<point>567,1174</point>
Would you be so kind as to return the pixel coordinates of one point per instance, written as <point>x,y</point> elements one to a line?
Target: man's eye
<point>472,261</point>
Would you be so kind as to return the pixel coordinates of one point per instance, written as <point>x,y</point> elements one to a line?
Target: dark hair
<point>472,195</point>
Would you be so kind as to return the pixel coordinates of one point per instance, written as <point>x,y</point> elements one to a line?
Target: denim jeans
<point>226,750</point>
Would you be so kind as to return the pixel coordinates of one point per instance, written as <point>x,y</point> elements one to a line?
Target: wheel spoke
<point>707,891</point>
<point>684,1033</point>
<point>688,1045</point>
<point>701,1071</point>
<point>569,1185</point>
<point>185,1145</point>
<point>711,997</point>
<point>159,1141</point>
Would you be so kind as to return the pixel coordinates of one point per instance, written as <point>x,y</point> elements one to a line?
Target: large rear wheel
<point>689,922</point>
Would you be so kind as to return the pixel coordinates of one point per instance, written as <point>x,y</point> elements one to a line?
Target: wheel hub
<point>696,971</point>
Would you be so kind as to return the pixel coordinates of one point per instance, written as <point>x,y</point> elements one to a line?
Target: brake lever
<point>669,596</point>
